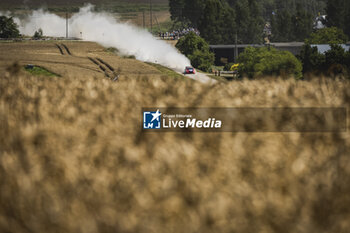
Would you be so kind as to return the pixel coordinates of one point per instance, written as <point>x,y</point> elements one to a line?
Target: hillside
<point>82,60</point>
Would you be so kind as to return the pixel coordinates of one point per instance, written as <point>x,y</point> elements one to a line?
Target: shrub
<point>202,60</point>
<point>38,34</point>
<point>228,66</point>
<point>332,35</point>
<point>197,50</point>
<point>336,55</point>
<point>312,60</point>
<point>257,62</point>
<point>336,60</point>
<point>347,59</point>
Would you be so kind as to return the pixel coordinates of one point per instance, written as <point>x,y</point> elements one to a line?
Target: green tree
<point>197,50</point>
<point>302,24</point>
<point>347,18</point>
<point>291,27</point>
<point>255,24</point>
<point>258,62</point>
<point>38,34</point>
<point>217,24</point>
<point>311,59</point>
<point>186,10</point>
<point>347,59</point>
<point>336,55</point>
<point>202,60</point>
<point>249,21</point>
<point>8,28</point>
<point>336,61</point>
<point>282,27</point>
<point>193,10</point>
<point>336,13</point>
<point>330,35</point>
<point>176,8</point>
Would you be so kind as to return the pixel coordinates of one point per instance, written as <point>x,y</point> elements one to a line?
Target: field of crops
<point>73,158</point>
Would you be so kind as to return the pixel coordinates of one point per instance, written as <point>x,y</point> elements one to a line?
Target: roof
<point>283,44</point>
<point>232,46</point>
<point>288,44</point>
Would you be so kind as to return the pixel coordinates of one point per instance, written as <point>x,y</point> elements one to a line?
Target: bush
<point>335,61</point>
<point>228,66</point>
<point>347,59</point>
<point>332,35</point>
<point>197,50</point>
<point>202,60</point>
<point>257,62</point>
<point>38,34</point>
<point>8,28</point>
<point>336,55</point>
<point>312,60</point>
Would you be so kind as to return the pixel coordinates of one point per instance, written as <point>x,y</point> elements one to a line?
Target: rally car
<point>189,70</point>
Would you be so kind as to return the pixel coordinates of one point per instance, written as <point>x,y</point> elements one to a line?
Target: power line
<point>66,24</point>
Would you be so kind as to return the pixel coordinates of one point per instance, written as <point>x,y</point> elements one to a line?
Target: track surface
<point>203,78</point>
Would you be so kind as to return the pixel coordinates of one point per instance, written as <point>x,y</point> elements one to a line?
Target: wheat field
<point>73,158</point>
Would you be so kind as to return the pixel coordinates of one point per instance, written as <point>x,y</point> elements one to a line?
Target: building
<point>226,53</point>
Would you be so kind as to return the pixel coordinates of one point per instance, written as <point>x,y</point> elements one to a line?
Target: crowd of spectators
<point>177,34</point>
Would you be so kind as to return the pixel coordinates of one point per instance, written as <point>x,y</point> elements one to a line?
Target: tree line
<point>219,21</point>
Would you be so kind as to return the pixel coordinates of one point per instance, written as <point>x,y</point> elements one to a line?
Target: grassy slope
<point>168,72</point>
<point>47,55</point>
<point>40,71</point>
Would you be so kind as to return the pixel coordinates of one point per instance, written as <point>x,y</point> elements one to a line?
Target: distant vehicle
<point>190,70</point>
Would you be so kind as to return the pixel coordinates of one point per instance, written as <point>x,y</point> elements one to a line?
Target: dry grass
<point>47,55</point>
<point>73,159</point>
<point>136,18</point>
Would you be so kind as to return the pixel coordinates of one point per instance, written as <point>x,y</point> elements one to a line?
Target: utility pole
<point>143,14</point>
<point>67,24</point>
<point>155,16</point>
<point>150,9</point>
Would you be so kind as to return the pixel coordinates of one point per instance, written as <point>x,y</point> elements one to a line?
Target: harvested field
<point>73,157</point>
<point>70,58</point>
<point>137,18</point>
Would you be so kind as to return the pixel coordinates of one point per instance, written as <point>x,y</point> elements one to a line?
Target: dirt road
<point>201,77</point>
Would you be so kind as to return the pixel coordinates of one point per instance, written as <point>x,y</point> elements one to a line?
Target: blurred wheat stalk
<point>73,159</point>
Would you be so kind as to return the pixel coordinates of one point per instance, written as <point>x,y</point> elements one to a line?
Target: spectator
<point>177,34</point>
